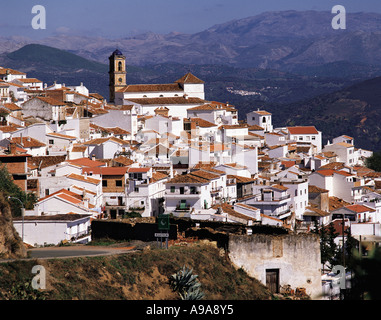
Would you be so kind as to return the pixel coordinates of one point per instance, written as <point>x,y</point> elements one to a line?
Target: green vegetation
<point>374,162</point>
<point>186,284</point>
<point>328,247</point>
<point>367,278</point>
<point>9,189</point>
<point>36,53</point>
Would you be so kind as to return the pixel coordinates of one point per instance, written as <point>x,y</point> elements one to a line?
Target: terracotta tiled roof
<point>240,179</point>
<point>11,71</point>
<point>336,203</point>
<point>28,142</point>
<point>100,141</point>
<point>203,123</point>
<point>358,208</point>
<point>151,88</point>
<point>83,178</point>
<point>29,80</point>
<point>123,160</point>
<point>76,197</point>
<point>263,113</point>
<point>344,144</point>
<point>205,175</point>
<point>229,210</point>
<point>311,211</point>
<point>50,101</point>
<point>302,130</point>
<point>189,78</point>
<point>12,106</point>
<point>137,170</point>
<point>167,101</point>
<point>188,178</point>
<point>79,148</point>
<point>86,162</point>
<point>279,187</point>
<point>60,135</point>
<point>106,171</point>
<point>157,176</point>
<point>46,161</point>
<point>315,189</point>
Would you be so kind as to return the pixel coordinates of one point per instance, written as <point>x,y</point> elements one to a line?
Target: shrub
<point>186,284</point>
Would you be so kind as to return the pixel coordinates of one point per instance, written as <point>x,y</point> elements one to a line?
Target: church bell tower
<point>117,73</point>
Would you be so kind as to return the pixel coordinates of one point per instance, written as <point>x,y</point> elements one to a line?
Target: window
<point>313,138</point>
<point>136,189</point>
<point>300,138</point>
<point>173,189</point>
<point>51,141</point>
<point>120,66</point>
<point>104,183</point>
<point>264,120</point>
<point>253,118</point>
<point>119,183</point>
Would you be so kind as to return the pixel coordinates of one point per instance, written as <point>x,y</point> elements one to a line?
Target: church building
<point>186,92</point>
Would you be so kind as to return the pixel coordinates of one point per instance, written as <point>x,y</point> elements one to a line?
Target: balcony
<point>184,207</point>
<point>270,200</point>
<point>182,193</point>
<point>215,190</point>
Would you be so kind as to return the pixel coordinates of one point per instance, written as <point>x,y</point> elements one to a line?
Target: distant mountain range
<point>223,83</point>
<point>354,111</point>
<point>293,41</point>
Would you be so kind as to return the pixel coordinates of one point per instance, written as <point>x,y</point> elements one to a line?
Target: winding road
<point>73,251</point>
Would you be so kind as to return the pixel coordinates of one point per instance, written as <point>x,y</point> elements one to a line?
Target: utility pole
<point>22,214</point>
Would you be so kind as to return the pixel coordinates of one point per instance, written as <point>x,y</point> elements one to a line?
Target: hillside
<point>11,245</point>
<point>354,111</point>
<point>135,276</point>
<point>35,54</point>
<point>50,64</point>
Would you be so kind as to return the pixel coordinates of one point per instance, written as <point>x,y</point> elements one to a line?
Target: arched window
<point>120,66</point>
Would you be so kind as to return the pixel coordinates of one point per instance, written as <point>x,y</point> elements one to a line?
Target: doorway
<point>272,280</point>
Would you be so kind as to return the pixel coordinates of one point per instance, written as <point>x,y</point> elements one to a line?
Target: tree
<point>328,247</point>
<point>367,277</point>
<point>374,161</point>
<point>10,189</point>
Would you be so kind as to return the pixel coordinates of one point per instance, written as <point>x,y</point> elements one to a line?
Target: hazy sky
<point>118,18</point>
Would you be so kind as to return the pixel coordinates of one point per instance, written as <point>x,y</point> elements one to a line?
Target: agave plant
<point>186,283</point>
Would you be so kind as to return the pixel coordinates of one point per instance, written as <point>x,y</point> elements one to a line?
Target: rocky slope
<point>11,245</point>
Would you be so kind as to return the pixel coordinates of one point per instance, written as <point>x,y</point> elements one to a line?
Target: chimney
<point>12,148</point>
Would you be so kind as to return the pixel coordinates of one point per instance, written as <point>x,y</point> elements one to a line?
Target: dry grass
<point>137,276</point>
